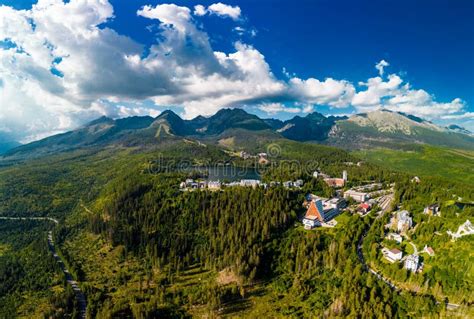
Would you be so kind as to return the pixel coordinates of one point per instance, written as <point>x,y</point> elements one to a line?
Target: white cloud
<point>336,93</point>
<point>274,108</point>
<point>169,15</point>
<point>106,73</point>
<point>199,10</point>
<point>467,116</point>
<point>225,10</point>
<point>377,88</point>
<point>399,97</point>
<point>381,65</point>
<point>308,109</point>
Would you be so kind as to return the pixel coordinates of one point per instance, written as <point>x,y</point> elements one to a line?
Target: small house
<point>396,237</point>
<point>392,255</point>
<point>428,250</point>
<point>364,208</point>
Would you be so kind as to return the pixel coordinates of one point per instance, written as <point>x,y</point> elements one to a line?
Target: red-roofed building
<point>314,215</point>
<point>335,182</point>
<point>364,208</point>
<point>429,250</point>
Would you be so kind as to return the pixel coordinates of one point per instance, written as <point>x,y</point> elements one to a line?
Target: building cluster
<point>262,157</point>
<point>320,211</point>
<point>290,184</point>
<point>332,181</point>
<point>190,184</point>
<point>401,221</point>
<point>411,262</point>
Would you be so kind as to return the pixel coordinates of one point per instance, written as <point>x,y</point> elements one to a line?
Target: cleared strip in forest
<point>80,297</point>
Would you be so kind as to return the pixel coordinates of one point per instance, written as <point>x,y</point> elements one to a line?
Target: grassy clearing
<point>429,161</point>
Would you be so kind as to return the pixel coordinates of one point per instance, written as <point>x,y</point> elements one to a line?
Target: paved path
<point>415,250</point>
<point>80,297</point>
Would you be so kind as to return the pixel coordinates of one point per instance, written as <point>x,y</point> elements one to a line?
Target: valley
<point>139,246</point>
<point>152,225</point>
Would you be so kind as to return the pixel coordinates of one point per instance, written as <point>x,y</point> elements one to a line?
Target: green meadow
<point>426,161</point>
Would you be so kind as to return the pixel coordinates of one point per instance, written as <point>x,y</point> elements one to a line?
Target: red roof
<point>395,251</point>
<point>364,205</point>
<point>337,182</point>
<point>313,212</point>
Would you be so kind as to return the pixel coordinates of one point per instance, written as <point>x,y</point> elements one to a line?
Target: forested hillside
<point>141,247</point>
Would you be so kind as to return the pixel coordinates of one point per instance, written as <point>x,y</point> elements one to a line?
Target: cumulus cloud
<point>225,10</point>
<point>467,116</point>
<point>199,10</point>
<point>328,92</point>
<point>60,66</point>
<point>274,108</point>
<point>381,65</point>
<point>169,14</point>
<point>392,94</point>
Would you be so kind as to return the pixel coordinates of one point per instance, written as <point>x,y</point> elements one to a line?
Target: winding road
<point>360,255</point>
<point>80,297</point>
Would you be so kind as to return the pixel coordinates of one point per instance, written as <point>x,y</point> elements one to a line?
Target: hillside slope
<point>236,128</point>
<point>383,128</point>
<point>7,143</point>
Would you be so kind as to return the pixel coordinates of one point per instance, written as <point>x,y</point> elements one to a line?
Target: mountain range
<point>235,128</point>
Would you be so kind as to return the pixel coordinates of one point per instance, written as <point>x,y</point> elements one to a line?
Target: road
<point>415,250</point>
<point>80,297</point>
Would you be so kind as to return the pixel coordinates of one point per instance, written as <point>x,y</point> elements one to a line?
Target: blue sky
<point>293,48</point>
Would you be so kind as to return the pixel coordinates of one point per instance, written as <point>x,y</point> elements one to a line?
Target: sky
<point>65,63</point>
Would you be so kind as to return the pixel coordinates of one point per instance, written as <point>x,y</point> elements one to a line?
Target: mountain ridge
<point>380,128</point>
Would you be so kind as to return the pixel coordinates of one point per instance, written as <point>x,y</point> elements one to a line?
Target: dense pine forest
<point>141,247</point>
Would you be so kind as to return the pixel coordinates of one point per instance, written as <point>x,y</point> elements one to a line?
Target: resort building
<point>355,195</point>
<point>334,182</point>
<point>214,185</point>
<point>404,221</point>
<point>321,210</point>
<point>392,255</point>
<point>250,183</point>
<point>412,262</point>
<point>396,237</point>
<point>314,215</point>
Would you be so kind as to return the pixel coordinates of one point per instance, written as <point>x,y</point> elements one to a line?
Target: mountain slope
<point>236,128</point>
<point>7,143</point>
<point>383,128</point>
<point>312,127</point>
<point>231,119</point>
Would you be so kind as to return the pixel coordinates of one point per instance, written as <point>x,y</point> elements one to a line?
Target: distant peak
<point>458,129</point>
<point>166,113</point>
<point>101,120</point>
